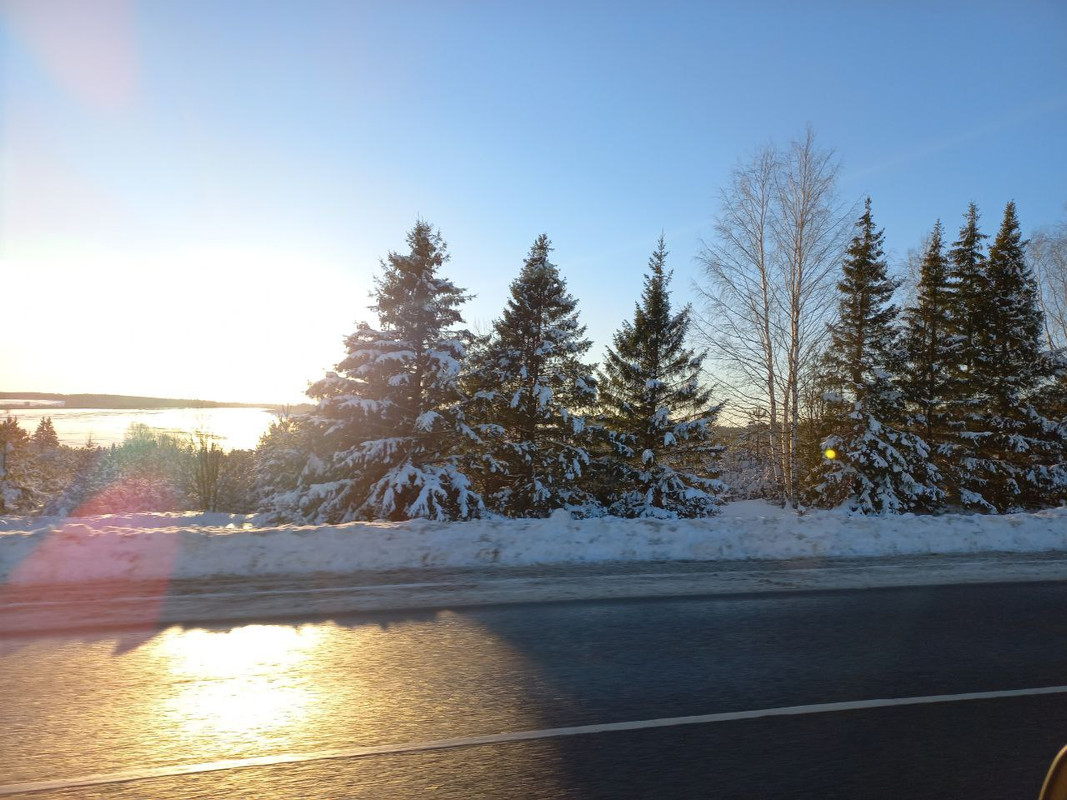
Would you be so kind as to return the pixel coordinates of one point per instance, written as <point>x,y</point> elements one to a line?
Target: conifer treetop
<point>1011,333</point>
<point>863,336</point>
<point>410,297</point>
<point>540,313</point>
<point>932,347</point>
<point>967,254</point>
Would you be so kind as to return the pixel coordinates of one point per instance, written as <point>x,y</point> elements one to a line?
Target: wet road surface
<point>312,701</point>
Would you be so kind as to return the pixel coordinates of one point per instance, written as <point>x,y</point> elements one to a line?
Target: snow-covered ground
<point>194,546</point>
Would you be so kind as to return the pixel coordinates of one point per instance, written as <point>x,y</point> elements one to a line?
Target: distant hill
<point>46,399</point>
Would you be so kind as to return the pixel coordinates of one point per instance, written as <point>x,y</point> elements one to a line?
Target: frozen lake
<point>236,428</point>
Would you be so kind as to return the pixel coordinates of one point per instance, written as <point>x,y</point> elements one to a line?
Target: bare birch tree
<point>743,297</point>
<point>1048,254</point>
<point>768,275</point>
<point>809,233</point>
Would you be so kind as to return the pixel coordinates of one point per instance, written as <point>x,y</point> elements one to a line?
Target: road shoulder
<point>42,608</point>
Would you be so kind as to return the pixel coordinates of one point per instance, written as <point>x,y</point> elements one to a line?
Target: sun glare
<point>239,652</point>
<point>238,685</point>
<point>192,333</point>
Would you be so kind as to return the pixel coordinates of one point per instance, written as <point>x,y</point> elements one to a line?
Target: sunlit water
<point>234,428</point>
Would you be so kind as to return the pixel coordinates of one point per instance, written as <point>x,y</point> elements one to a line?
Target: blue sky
<point>194,195</point>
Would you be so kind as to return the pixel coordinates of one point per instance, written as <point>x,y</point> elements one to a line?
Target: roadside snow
<point>190,546</point>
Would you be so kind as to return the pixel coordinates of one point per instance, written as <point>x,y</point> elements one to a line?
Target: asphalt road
<point>437,704</point>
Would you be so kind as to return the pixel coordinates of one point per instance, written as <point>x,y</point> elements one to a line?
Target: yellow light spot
<point>830,453</point>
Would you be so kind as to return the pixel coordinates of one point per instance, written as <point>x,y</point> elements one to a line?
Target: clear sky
<point>194,195</point>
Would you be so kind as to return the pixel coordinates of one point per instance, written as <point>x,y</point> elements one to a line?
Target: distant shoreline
<point>45,400</point>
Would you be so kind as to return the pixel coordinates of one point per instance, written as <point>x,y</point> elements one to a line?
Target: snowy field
<point>179,546</point>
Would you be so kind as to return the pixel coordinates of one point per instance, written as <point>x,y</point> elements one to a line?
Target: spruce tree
<point>877,465</point>
<point>51,462</point>
<point>660,417</point>
<point>1016,454</point>
<point>1012,362</point>
<point>932,354</point>
<point>45,437</point>
<point>95,475</point>
<point>967,281</point>
<point>279,457</point>
<point>390,418</point>
<point>531,390</point>
<point>968,312</point>
<point>236,486</point>
<point>18,481</point>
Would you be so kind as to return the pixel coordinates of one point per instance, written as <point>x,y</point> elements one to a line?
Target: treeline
<point>952,401</point>
<point>955,400</point>
<point>149,471</point>
<point>422,419</point>
<point>839,394</point>
<point>112,401</point>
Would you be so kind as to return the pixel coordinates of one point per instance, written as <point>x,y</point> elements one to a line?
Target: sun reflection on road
<point>188,696</point>
<point>241,685</point>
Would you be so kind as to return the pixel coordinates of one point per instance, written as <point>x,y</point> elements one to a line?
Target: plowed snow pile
<point>178,546</point>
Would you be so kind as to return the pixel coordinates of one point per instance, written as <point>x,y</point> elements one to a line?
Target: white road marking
<point>502,738</point>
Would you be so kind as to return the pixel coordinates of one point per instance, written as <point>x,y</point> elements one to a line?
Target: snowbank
<point>180,546</point>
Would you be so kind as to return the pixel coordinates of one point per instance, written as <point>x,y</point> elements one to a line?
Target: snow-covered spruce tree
<point>530,389</point>
<point>1017,454</point>
<point>52,462</point>
<point>279,458</point>
<point>663,461</point>
<point>45,437</point>
<point>879,466</point>
<point>932,353</point>
<point>1012,359</point>
<point>96,474</point>
<point>390,422</point>
<point>967,279</point>
<point>968,309</point>
<point>236,487</point>
<point>19,489</point>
